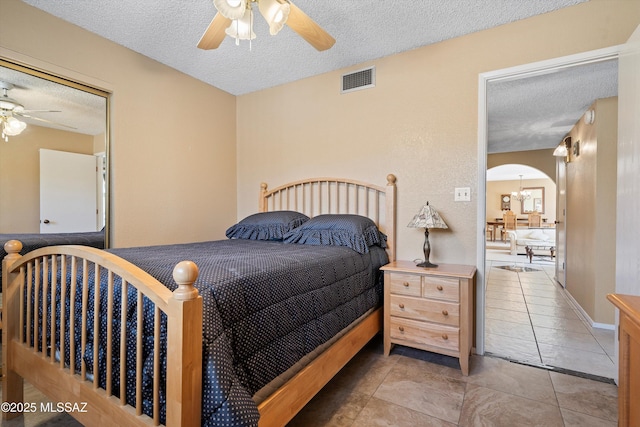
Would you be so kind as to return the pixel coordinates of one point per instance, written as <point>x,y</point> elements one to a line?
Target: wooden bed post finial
<point>262,203</point>
<point>391,179</point>
<point>13,247</point>
<point>185,274</point>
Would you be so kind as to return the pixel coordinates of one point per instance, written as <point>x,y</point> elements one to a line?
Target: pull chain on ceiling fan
<point>235,18</point>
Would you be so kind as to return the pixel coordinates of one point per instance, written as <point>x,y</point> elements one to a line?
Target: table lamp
<point>427,218</point>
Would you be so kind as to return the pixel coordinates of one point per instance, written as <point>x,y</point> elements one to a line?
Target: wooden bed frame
<point>183,307</point>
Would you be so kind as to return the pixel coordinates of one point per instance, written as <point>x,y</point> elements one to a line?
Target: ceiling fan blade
<point>26,116</point>
<point>214,34</point>
<point>37,111</point>
<point>308,29</point>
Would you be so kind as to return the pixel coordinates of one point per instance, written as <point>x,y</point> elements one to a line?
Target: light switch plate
<point>462,194</point>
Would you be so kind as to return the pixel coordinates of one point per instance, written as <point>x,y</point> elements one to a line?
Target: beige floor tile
<point>581,395</point>
<point>487,407</point>
<point>333,406</point>
<point>576,419</point>
<point>413,387</point>
<point>366,371</point>
<point>384,414</point>
<point>513,378</point>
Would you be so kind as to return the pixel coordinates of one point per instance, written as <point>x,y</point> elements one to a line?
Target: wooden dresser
<point>629,359</point>
<point>430,308</point>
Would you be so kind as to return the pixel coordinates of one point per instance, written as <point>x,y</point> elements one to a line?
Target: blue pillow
<point>266,225</point>
<point>353,231</point>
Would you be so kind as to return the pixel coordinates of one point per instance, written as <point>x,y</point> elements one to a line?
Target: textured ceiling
<point>68,108</point>
<point>523,114</point>
<point>539,111</point>
<point>168,31</point>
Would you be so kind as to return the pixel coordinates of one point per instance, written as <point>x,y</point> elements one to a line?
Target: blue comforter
<point>265,306</point>
<point>33,241</point>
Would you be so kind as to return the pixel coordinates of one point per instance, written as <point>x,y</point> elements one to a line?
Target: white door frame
<point>512,73</point>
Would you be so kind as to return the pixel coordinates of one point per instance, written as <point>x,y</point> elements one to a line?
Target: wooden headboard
<point>318,196</point>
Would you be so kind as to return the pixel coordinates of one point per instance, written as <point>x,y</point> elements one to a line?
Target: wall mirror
<point>53,164</point>
<point>535,203</point>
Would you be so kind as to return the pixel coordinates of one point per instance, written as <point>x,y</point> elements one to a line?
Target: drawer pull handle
<point>406,284</point>
<point>445,337</point>
<point>439,287</point>
<point>445,312</point>
<point>401,306</point>
<point>401,328</point>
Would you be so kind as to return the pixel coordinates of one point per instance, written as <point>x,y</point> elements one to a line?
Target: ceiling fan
<point>235,19</point>
<point>11,111</point>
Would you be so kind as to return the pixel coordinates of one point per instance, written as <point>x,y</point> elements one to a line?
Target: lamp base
<point>426,264</point>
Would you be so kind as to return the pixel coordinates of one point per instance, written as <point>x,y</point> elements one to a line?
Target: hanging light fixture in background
<point>521,194</point>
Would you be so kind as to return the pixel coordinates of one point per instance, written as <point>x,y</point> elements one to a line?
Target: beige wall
<point>542,160</point>
<point>419,122</point>
<point>172,136</point>
<point>496,188</point>
<point>591,213</point>
<point>20,174</point>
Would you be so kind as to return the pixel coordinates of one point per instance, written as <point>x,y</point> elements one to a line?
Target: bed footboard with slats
<point>53,331</point>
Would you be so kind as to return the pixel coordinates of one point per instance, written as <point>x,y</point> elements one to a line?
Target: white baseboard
<point>585,317</point>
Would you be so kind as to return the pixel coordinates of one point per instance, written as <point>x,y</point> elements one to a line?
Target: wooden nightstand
<point>430,308</point>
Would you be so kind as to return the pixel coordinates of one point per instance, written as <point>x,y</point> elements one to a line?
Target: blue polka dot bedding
<point>33,241</point>
<point>266,305</point>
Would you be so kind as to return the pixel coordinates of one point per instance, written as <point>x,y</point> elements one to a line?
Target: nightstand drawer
<point>441,288</point>
<point>406,284</point>
<point>430,334</point>
<point>447,313</point>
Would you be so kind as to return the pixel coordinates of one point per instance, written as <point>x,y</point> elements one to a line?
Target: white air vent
<point>358,80</point>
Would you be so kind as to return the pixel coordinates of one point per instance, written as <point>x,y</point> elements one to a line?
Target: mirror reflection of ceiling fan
<point>235,19</point>
<point>11,111</point>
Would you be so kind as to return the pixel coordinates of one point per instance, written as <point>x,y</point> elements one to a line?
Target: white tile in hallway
<point>561,338</point>
<point>598,364</point>
<point>571,325</point>
<point>512,348</point>
<point>508,315</point>
<point>510,329</point>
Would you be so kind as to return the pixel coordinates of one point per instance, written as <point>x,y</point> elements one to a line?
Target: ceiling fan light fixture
<point>232,9</point>
<point>14,126</point>
<point>242,29</point>
<point>11,126</point>
<point>275,13</point>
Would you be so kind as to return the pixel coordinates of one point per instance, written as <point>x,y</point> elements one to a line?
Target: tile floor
<point>529,318</point>
<point>416,388</point>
